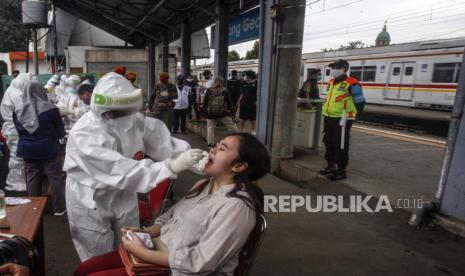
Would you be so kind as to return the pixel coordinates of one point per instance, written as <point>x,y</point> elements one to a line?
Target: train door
<point>408,81</point>
<point>401,81</point>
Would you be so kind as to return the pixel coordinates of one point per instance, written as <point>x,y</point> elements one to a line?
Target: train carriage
<point>418,74</point>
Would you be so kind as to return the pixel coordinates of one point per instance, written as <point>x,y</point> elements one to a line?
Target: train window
<point>408,71</point>
<point>363,73</point>
<point>369,73</point>
<point>446,72</point>
<point>328,72</point>
<point>396,71</point>
<point>356,72</point>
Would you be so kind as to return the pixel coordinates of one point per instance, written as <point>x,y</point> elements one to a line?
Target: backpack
<point>216,104</point>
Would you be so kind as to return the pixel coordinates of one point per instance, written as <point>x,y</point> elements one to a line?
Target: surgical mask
<point>318,77</point>
<point>121,123</point>
<point>71,90</point>
<point>87,100</point>
<point>337,73</point>
<point>189,80</point>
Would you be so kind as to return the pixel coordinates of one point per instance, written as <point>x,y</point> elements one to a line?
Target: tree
<point>233,56</point>
<point>253,53</point>
<point>12,31</point>
<point>352,45</point>
<point>327,50</point>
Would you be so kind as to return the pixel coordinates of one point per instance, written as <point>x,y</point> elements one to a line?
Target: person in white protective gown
<point>106,168</point>
<point>60,89</point>
<point>50,86</point>
<point>11,102</point>
<point>69,103</point>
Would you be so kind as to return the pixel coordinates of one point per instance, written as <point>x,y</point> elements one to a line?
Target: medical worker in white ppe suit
<point>12,102</point>
<point>105,165</point>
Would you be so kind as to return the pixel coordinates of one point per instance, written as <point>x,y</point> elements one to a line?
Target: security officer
<point>344,100</point>
<point>161,101</point>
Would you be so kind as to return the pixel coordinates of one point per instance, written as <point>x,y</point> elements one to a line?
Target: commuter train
<point>417,74</point>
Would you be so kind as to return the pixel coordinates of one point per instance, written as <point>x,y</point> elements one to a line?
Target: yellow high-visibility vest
<point>339,99</point>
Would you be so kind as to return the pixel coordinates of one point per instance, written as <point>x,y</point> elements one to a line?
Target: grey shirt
<point>205,234</point>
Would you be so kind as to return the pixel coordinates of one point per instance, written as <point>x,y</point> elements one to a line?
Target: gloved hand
<point>66,112</point>
<point>186,160</point>
<point>200,166</point>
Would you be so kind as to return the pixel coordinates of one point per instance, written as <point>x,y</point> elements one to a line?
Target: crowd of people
<point>216,101</point>
<point>99,149</point>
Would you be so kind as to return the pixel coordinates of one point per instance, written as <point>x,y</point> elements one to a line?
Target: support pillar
<point>221,39</point>
<point>35,59</point>
<point>186,36</point>
<point>28,38</point>
<point>265,101</point>
<point>451,187</point>
<point>151,68</point>
<point>166,52</point>
<point>289,54</point>
<point>55,41</point>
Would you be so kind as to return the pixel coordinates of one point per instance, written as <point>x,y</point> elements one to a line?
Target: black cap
<point>339,63</point>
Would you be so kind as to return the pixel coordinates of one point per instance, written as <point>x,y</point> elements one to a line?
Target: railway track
<point>418,139</point>
<point>414,123</point>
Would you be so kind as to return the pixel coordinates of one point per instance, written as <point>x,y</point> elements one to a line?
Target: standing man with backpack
<point>218,107</point>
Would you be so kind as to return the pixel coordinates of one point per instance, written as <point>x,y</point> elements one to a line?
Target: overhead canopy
<point>136,21</point>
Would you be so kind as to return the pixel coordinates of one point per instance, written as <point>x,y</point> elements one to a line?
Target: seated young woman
<point>205,231</point>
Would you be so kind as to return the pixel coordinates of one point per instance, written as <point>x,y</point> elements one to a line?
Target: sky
<point>330,23</point>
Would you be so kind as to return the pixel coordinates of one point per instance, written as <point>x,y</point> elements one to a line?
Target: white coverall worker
<point>60,89</point>
<point>106,168</point>
<point>50,86</point>
<point>12,102</point>
<point>69,103</point>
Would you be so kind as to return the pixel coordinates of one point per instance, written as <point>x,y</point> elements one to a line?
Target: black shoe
<point>328,170</point>
<point>337,175</point>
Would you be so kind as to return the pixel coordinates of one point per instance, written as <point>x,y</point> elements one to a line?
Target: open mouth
<point>210,161</point>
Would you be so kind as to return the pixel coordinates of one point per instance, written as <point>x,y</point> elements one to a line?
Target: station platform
<point>379,164</point>
<point>346,244</point>
<point>304,243</point>
<point>382,162</point>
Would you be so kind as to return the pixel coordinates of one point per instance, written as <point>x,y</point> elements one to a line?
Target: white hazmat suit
<point>50,87</point>
<point>60,89</point>
<point>69,103</point>
<point>12,102</point>
<point>105,166</point>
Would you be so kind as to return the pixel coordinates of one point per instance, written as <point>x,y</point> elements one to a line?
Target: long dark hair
<point>255,154</point>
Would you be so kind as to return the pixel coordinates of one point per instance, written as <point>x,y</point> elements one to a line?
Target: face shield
<point>115,93</point>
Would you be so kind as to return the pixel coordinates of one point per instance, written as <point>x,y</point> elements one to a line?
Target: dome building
<point>383,38</point>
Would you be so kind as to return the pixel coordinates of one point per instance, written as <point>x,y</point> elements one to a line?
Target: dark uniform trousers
<point>334,155</point>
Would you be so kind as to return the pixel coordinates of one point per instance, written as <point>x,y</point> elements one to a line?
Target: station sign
<point>244,27</point>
